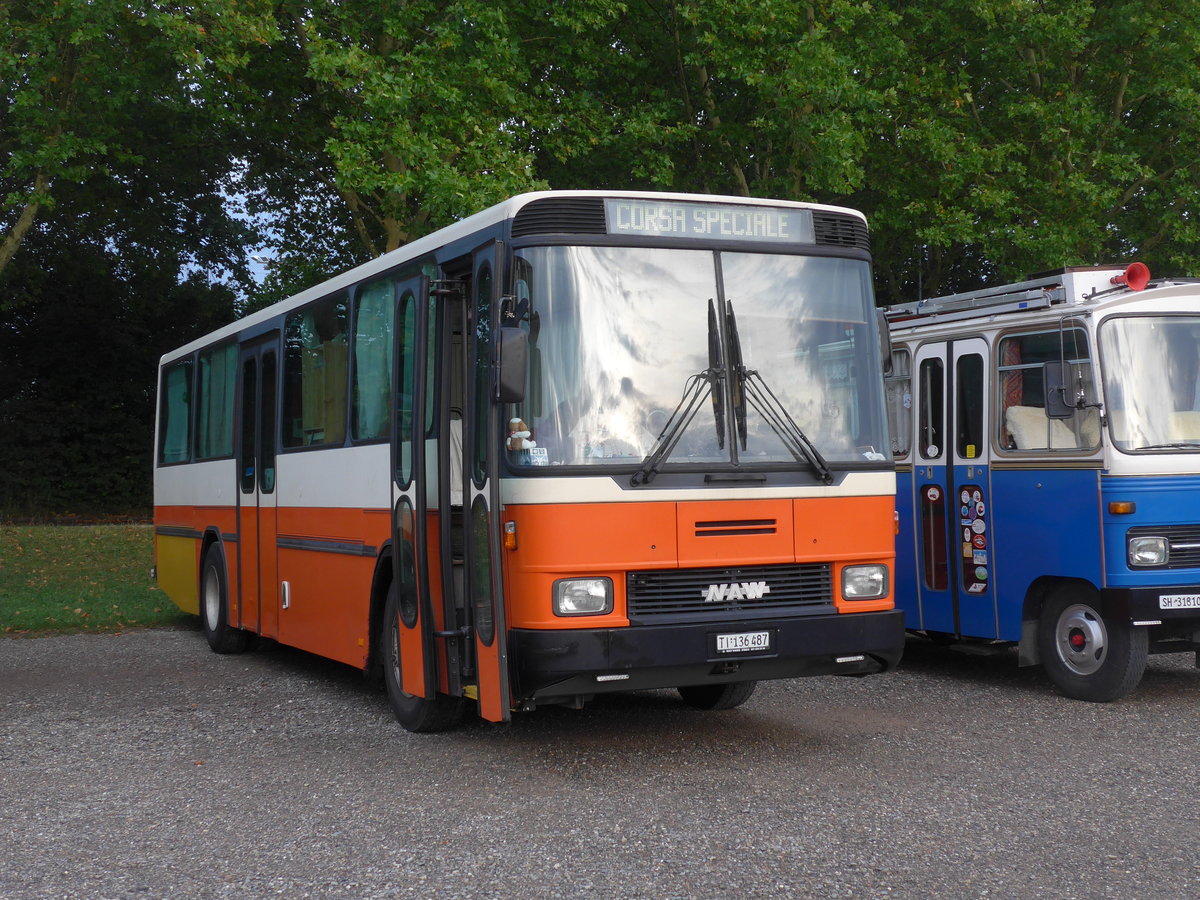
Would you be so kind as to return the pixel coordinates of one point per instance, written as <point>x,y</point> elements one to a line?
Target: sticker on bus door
<point>972,511</point>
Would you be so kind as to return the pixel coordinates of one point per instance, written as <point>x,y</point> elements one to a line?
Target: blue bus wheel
<point>1087,656</point>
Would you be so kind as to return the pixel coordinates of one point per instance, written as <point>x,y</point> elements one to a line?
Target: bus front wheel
<point>214,606</point>
<point>1087,656</point>
<point>414,713</point>
<point>717,696</point>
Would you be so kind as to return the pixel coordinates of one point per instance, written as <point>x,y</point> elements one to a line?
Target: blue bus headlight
<point>583,596</point>
<point>1148,551</point>
<point>864,582</point>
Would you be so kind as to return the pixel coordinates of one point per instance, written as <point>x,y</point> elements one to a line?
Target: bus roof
<point>462,229</point>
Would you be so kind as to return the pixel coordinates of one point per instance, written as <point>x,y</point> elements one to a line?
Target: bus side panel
<point>1047,523</point>
<point>178,558</point>
<point>188,501</point>
<point>327,558</point>
<point>906,573</point>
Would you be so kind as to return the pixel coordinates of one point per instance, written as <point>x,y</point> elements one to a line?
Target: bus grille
<point>560,215</point>
<point>841,230</point>
<point>1183,542</point>
<point>741,592</point>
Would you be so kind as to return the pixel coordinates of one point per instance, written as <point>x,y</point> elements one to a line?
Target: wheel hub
<point>1081,639</point>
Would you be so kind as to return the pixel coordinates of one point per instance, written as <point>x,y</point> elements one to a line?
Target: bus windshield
<point>726,347</point>
<point>1152,382</point>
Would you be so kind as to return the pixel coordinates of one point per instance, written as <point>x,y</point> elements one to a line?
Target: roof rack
<point>1069,286</point>
<point>1010,298</point>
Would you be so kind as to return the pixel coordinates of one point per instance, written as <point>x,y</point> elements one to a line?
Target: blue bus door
<point>952,503</point>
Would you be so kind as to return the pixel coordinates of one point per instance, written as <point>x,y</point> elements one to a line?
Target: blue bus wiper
<point>750,386</point>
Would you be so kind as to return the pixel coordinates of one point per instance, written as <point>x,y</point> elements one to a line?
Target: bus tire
<point>214,606</point>
<point>415,713</point>
<point>717,696</point>
<point>1087,656</point>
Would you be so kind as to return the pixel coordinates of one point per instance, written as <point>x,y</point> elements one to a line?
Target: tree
<point>124,231</point>
<point>383,122</point>
<point>1026,136</point>
<point>83,81</point>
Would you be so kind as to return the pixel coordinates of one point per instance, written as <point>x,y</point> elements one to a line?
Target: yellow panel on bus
<point>176,561</point>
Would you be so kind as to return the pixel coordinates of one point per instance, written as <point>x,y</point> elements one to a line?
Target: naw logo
<point>738,590</point>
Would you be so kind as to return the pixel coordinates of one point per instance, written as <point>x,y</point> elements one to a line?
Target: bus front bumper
<point>548,665</point>
<point>1177,605</point>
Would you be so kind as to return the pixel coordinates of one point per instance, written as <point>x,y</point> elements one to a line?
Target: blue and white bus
<point>1047,438</point>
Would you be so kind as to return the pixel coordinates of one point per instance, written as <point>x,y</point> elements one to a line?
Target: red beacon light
<point>1136,277</point>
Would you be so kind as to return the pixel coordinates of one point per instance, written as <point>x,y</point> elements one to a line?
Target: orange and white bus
<point>580,442</point>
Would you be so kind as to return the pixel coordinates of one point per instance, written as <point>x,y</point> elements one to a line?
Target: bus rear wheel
<point>717,696</point>
<point>415,713</point>
<point>214,606</point>
<point>1087,656</point>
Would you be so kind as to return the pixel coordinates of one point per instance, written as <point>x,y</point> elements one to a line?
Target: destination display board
<point>715,221</point>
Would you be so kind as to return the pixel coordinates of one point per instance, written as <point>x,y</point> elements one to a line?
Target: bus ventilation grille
<point>709,594</point>
<point>742,526</point>
<point>560,215</point>
<point>1183,543</point>
<point>841,230</point>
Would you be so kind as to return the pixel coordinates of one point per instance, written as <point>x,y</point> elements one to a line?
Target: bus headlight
<point>864,582</point>
<point>583,596</point>
<point>1147,551</point>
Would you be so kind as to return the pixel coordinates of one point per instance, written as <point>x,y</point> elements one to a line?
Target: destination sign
<point>716,221</point>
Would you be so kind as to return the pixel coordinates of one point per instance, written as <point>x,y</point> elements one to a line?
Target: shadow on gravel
<point>984,664</point>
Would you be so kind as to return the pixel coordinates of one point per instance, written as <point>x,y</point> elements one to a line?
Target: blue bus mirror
<point>1060,402</point>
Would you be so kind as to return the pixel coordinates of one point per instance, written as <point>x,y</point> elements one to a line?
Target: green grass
<point>79,578</point>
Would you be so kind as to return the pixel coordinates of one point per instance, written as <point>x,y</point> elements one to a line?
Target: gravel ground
<point>142,765</point>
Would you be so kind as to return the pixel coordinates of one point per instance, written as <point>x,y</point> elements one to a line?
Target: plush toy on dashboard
<point>518,435</point>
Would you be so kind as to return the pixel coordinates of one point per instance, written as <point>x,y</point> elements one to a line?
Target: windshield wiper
<point>748,384</point>
<point>696,388</point>
<point>715,364</point>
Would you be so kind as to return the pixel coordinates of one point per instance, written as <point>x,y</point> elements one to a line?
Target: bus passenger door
<point>481,491</point>
<point>257,506</point>
<point>411,530</point>
<point>952,489</point>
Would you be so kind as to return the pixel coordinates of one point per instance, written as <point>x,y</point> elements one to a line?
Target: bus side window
<point>215,384</point>
<point>373,320</point>
<point>1022,423</point>
<point>176,416</point>
<point>315,372</point>
<point>968,419</point>
<point>898,386</point>
<point>932,416</point>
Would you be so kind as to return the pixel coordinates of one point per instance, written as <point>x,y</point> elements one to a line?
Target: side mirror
<point>1056,379</point>
<point>885,340</point>
<point>514,360</point>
